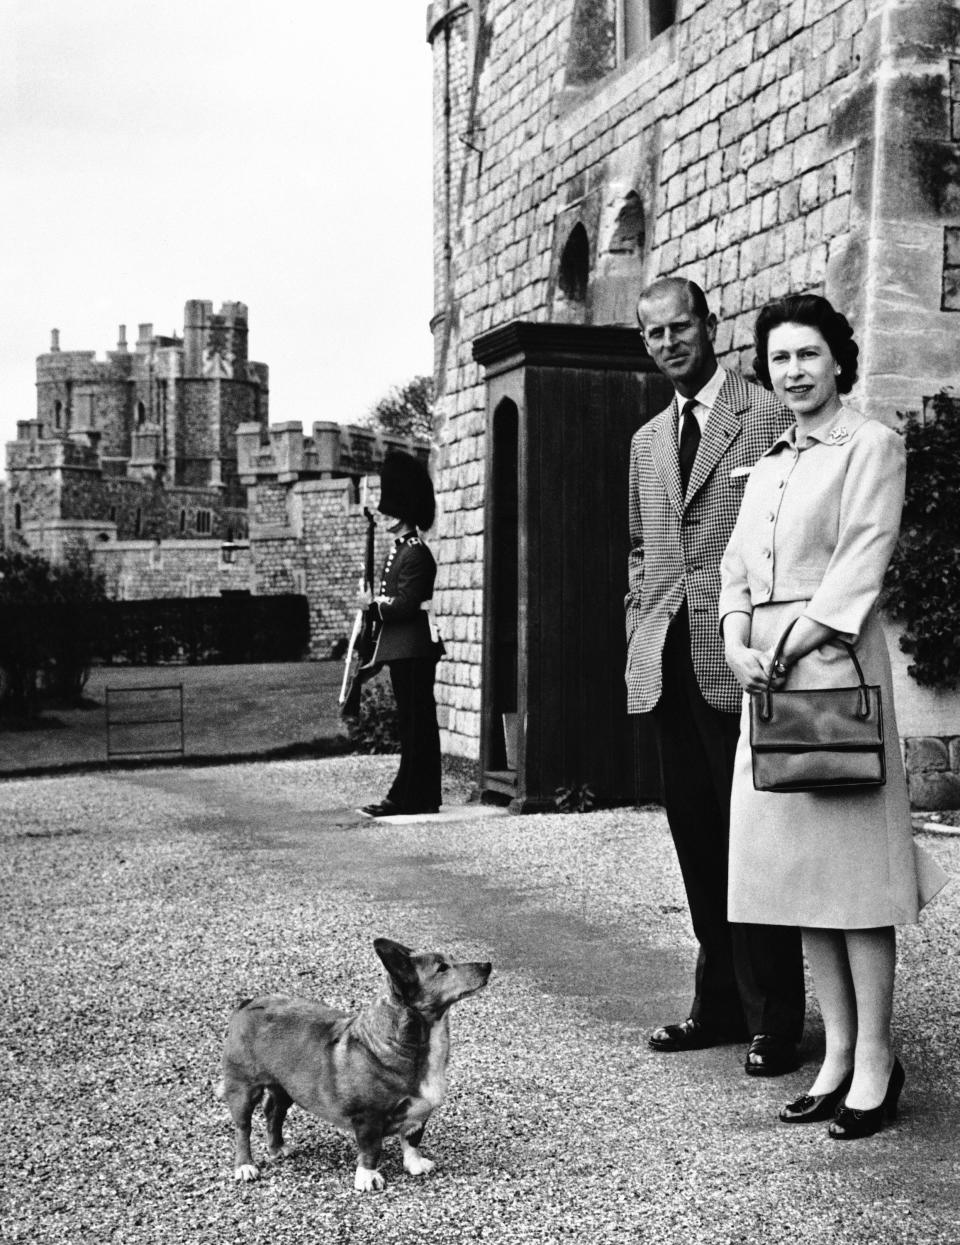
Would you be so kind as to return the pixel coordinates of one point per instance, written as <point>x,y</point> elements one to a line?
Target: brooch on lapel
<point>839,434</point>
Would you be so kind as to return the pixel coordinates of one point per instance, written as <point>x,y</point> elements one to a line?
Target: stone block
<point>779,280</point>
<point>796,122</point>
<point>737,190</point>
<point>817,265</point>
<point>781,163</point>
<point>766,104</point>
<point>813,228</point>
<point>933,790</point>
<point>836,216</point>
<point>769,210</point>
<point>809,191</point>
<point>729,267</point>
<point>926,754</point>
<point>843,173</point>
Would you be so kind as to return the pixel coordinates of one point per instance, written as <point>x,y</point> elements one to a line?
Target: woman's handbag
<point>816,739</point>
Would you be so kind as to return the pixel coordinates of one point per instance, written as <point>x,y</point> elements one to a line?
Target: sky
<point>271,152</point>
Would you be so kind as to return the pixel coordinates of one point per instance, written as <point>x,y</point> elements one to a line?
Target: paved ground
<point>138,906</point>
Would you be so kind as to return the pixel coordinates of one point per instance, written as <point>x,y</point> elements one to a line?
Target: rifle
<point>358,664</point>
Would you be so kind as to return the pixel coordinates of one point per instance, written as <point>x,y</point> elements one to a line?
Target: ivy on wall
<point>922,588</point>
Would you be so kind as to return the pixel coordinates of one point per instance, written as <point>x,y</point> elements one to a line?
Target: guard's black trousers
<point>749,978</point>
<point>417,785</point>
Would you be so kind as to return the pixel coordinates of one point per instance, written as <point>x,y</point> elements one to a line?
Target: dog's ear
<point>396,960</point>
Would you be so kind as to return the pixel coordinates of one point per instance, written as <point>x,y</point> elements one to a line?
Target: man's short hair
<point>698,300</point>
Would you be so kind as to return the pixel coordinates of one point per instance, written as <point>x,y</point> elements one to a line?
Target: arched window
<point>58,414</point>
<point>17,517</point>
<point>141,414</point>
<point>575,265</point>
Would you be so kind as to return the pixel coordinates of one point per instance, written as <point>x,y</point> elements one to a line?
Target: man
<point>688,467</point>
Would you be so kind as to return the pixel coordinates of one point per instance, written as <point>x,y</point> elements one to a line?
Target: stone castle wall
<point>138,570</point>
<point>310,537</point>
<point>307,538</point>
<point>758,148</point>
<point>60,481</point>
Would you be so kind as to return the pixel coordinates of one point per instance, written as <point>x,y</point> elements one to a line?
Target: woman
<point>817,527</point>
<point>407,641</point>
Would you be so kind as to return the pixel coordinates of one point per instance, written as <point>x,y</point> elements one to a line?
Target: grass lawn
<point>228,711</point>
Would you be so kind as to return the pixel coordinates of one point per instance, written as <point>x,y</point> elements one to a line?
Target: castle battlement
<point>332,450</point>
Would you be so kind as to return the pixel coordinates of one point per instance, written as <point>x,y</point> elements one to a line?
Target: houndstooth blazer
<point>676,543</point>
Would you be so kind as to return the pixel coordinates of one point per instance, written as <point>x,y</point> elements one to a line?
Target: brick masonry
<point>758,148</point>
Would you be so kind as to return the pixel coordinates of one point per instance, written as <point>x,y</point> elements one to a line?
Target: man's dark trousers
<point>749,978</point>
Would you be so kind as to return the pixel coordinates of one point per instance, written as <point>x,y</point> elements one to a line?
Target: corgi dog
<point>376,1074</point>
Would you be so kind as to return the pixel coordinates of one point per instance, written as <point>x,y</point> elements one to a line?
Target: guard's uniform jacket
<point>407,628</point>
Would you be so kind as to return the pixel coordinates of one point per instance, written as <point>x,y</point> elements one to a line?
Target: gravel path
<point>138,907</point>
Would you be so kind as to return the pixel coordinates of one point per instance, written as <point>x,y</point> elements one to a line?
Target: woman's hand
<point>751,667</point>
<point>776,669</point>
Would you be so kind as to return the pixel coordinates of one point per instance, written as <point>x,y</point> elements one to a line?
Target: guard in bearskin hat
<point>408,643</point>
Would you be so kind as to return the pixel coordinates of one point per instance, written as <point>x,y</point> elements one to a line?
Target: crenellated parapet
<point>332,450</point>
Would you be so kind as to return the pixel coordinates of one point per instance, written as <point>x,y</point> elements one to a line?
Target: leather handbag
<point>816,739</point>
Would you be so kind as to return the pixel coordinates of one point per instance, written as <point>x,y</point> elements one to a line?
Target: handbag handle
<point>863,700</point>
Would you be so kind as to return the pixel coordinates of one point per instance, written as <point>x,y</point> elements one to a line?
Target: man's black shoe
<point>690,1034</point>
<point>771,1056</point>
<point>386,808</point>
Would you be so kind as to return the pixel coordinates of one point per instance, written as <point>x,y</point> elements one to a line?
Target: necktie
<point>689,441</point>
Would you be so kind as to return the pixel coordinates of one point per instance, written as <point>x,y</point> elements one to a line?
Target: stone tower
<point>171,405</point>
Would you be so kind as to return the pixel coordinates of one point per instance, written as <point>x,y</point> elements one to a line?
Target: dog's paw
<point>247,1172</point>
<point>416,1164</point>
<point>281,1152</point>
<point>368,1180</point>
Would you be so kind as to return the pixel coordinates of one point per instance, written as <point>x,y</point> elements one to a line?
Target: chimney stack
<point>54,341</point>
<point>122,338</point>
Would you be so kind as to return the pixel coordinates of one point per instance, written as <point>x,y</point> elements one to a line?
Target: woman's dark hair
<point>817,313</point>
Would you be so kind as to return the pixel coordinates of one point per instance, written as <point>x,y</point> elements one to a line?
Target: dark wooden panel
<point>600,663</point>
<point>580,396</point>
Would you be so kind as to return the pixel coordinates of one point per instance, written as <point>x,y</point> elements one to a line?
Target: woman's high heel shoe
<point>849,1124</point>
<point>811,1108</point>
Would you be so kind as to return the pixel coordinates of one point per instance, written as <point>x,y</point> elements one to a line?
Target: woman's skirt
<point>842,859</point>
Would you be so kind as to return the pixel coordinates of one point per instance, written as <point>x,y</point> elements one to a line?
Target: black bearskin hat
<point>406,491</point>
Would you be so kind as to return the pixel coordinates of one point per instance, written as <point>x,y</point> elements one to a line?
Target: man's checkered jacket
<point>676,543</point>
